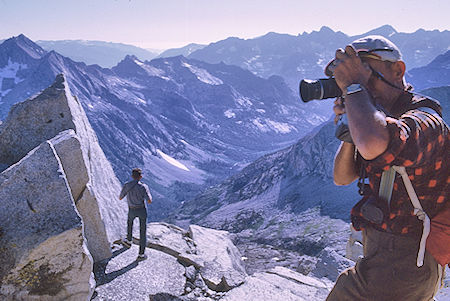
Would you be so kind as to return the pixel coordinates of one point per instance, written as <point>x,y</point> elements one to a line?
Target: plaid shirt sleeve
<point>414,139</point>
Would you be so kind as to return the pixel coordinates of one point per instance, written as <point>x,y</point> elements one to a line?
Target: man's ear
<point>399,69</point>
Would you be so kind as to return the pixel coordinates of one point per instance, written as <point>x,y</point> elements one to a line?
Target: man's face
<point>377,87</point>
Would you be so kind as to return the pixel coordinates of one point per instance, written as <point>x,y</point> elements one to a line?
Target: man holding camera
<point>389,126</point>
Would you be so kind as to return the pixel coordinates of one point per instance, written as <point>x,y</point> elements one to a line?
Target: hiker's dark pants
<point>387,272</point>
<point>141,213</point>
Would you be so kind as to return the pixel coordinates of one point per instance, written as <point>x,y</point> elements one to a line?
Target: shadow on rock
<point>164,297</point>
<point>100,267</point>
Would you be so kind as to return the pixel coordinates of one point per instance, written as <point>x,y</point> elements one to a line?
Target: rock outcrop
<point>41,232</point>
<point>57,269</point>
<point>92,181</point>
<point>58,199</point>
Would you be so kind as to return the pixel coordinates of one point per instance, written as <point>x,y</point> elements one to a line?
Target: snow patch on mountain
<point>241,100</point>
<point>229,113</point>
<point>10,71</point>
<point>151,70</point>
<point>166,173</point>
<point>203,75</point>
<point>267,125</point>
<point>172,161</point>
<point>280,127</point>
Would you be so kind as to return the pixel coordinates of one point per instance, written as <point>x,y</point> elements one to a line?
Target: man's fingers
<point>339,110</point>
<point>338,101</point>
<point>336,119</point>
<point>350,51</point>
<point>340,54</point>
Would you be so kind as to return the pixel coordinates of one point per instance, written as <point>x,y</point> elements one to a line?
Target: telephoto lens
<point>319,89</point>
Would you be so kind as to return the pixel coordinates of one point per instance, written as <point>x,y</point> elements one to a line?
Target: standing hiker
<point>392,130</point>
<point>137,194</point>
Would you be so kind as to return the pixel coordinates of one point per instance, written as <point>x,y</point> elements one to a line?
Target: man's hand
<point>350,69</point>
<point>338,109</point>
<point>149,201</point>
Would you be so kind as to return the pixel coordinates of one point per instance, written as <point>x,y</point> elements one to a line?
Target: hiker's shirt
<point>137,194</point>
<point>419,141</point>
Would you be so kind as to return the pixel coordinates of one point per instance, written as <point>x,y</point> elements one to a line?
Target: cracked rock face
<point>57,199</point>
<point>56,115</point>
<point>40,231</point>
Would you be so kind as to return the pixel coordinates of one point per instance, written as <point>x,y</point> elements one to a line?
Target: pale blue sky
<point>173,23</point>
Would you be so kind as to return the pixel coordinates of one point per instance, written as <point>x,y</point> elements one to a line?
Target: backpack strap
<point>386,186</point>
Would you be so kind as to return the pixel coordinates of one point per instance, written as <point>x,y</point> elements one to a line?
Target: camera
<point>324,88</point>
<point>319,89</point>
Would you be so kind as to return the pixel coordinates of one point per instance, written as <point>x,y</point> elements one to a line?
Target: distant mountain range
<point>189,124</point>
<point>435,74</point>
<point>442,94</point>
<point>304,56</point>
<point>184,51</point>
<point>104,54</point>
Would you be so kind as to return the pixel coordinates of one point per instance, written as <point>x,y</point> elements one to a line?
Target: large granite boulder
<point>330,264</point>
<point>40,230</point>
<point>93,183</point>
<point>222,266</point>
<point>211,252</point>
<point>279,283</point>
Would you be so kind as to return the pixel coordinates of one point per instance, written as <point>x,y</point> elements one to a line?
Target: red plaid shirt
<point>420,142</point>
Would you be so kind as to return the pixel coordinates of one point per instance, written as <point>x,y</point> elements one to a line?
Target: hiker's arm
<point>148,195</point>
<point>122,193</point>
<point>345,171</point>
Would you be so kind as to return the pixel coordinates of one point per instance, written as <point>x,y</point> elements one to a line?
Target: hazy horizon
<point>160,25</point>
<point>182,45</point>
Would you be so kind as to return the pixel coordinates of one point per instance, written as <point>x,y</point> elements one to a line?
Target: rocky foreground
<point>197,264</point>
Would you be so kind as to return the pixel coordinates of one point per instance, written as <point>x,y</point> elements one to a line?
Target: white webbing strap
<point>386,185</point>
<point>418,211</point>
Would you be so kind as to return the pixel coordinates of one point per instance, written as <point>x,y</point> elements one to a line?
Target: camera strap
<point>382,78</point>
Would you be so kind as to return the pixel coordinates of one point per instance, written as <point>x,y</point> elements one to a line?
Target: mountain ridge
<point>171,112</point>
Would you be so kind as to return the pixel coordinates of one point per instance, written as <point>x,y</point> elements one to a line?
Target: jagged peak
<point>326,29</point>
<point>130,57</point>
<point>28,46</point>
<point>385,30</point>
